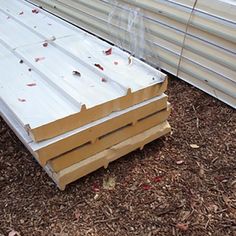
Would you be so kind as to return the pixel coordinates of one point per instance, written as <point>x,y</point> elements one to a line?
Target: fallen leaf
<point>108,52</point>
<point>180,162</point>
<point>181,226</point>
<point>31,84</point>
<point>21,100</point>
<point>116,63</point>
<point>37,59</point>
<point>21,13</point>
<point>95,187</point>
<point>109,183</point>
<point>99,66</point>
<point>29,69</point>
<point>104,80</point>
<point>14,233</point>
<point>77,73</point>
<point>21,61</point>
<point>130,60</point>
<point>146,187</point>
<point>158,179</point>
<point>36,11</point>
<point>45,44</point>
<point>195,146</point>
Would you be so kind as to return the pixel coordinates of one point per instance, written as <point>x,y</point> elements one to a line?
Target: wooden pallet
<point>102,159</point>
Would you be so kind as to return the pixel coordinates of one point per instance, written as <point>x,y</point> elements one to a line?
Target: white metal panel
<point>33,147</point>
<point>42,88</point>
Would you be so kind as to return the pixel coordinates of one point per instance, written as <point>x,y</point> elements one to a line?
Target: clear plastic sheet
<point>128,31</point>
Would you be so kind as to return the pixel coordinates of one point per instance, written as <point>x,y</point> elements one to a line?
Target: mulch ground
<point>183,184</point>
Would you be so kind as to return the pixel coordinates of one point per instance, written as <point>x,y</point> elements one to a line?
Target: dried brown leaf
<point>130,60</point>
<point>109,183</point>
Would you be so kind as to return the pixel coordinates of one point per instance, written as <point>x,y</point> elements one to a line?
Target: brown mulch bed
<point>172,187</point>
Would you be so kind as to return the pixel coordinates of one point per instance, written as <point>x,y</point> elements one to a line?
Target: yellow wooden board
<point>103,158</point>
<point>104,142</point>
<point>86,116</point>
<point>92,133</point>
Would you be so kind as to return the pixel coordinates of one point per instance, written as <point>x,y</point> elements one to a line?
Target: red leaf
<point>158,179</point>
<point>31,84</point>
<point>108,52</point>
<point>21,100</point>
<point>147,187</point>
<point>21,13</point>
<point>36,11</point>
<point>116,63</point>
<point>37,59</point>
<point>45,44</point>
<point>95,187</point>
<point>75,72</point>
<point>99,66</point>
<point>181,226</point>
<point>104,80</point>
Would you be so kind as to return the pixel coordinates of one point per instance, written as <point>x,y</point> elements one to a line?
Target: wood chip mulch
<point>183,184</point>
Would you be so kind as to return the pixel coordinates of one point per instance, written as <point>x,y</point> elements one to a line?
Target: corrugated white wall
<point>202,53</point>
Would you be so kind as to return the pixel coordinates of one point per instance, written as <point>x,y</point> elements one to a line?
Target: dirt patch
<point>183,184</point>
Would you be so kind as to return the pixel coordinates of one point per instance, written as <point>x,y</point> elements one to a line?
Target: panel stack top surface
<point>51,70</point>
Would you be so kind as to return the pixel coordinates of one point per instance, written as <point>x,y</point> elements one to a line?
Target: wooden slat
<point>107,141</point>
<point>78,170</point>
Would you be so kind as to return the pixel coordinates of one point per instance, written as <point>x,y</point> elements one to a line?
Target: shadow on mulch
<point>183,184</point>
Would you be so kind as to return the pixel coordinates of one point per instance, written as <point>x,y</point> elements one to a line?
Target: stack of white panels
<point>75,101</point>
<point>195,42</point>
